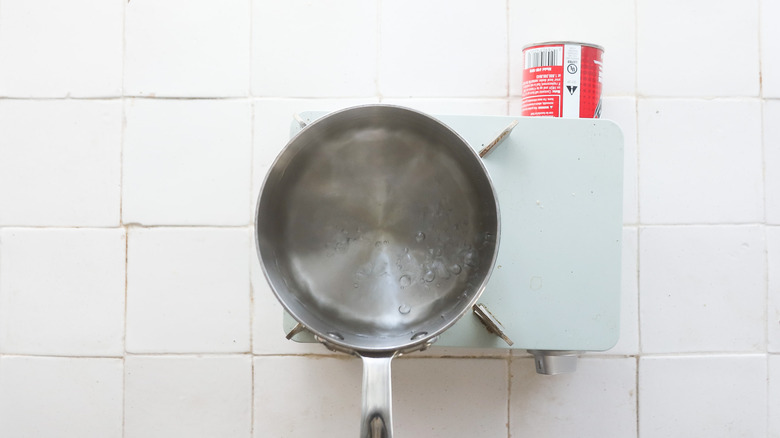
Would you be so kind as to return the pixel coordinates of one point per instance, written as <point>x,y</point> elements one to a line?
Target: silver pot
<point>377,228</point>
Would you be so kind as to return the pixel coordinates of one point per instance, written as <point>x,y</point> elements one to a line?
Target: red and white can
<point>562,79</point>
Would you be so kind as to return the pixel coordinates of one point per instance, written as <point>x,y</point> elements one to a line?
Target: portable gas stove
<point>555,288</point>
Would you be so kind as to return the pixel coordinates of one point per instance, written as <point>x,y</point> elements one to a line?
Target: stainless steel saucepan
<point>377,228</point>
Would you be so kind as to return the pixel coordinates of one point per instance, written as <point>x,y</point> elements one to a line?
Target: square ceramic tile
<point>272,121</point>
<point>773,262</point>
<point>443,49</point>
<point>700,161</point>
<point>702,288</point>
<point>481,107</point>
<point>305,396</point>
<point>774,395</point>
<point>60,397</point>
<point>314,49</point>
<point>772,160</point>
<point>187,162</point>
<point>52,278</point>
<point>712,396</point>
<point>60,162</point>
<point>185,396</point>
<point>597,400</point>
<point>697,48</point>
<point>187,48</point>
<point>450,398</point>
<point>188,290</point>
<point>628,343</point>
<point>770,49</point>
<point>52,48</point>
<point>611,25</point>
<point>622,110</point>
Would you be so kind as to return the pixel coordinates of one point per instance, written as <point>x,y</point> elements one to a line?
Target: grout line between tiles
<point>124,226</point>
<point>123,130</point>
<point>638,208</point>
<point>768,395</point>
<point>124,338</point>
<point>508,56</point>
<point>251,47</point>
<point>61,356</point>
<point>380,96</point>
<point>509,396</point>
<point>700,354</point>
<point>251,192</point>
<point>636,393</point>
<point>44,98</point>
<point>760,58</point>
<point>378,59</point>
<point>190,354</point>
<point>251,225</point>
<point>252,399</point>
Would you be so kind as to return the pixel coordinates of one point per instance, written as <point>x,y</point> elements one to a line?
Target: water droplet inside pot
<point>471,259</point>
<point>420,237</point>
<point>405,281</point>
<point>404,309</point>
<point>429,276</point>
<point>455,269</point>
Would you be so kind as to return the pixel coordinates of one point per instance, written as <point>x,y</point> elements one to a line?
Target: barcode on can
<point>543,57</point>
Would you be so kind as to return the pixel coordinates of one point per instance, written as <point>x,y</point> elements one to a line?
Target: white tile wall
<point>434,106</point>
<point>188,290</point>
<point>186,48</point>
<point>297,396</point>
<point>600,396</point>
<point>700,161</point>
<point>702,289</point>
<point>770,49</point>
<point>168,396</point>
<point>60,397</point>
<point>314,49</point>
<point>439,397</point>
<point>610,24</point>
<point>773,263</point>
<point>623,111</point>
<point>772,160</point>
<point>774,395</point>
<point>50,278</point>
<point>439,48</point>
<point>60,162</point>
<point>52,48</point>
<point>135,136</point>
<point>186,162</point>
<point>713,396</point>
<point>697,48</point>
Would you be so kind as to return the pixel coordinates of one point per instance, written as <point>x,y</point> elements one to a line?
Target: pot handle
<point>377,419</point>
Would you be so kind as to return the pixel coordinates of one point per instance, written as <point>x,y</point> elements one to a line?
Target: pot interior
<point>377,226</point>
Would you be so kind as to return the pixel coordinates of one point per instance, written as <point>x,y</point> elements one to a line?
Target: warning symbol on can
<point>551,90</point>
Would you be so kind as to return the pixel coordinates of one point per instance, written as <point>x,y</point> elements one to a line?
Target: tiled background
<point>134,136</point>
